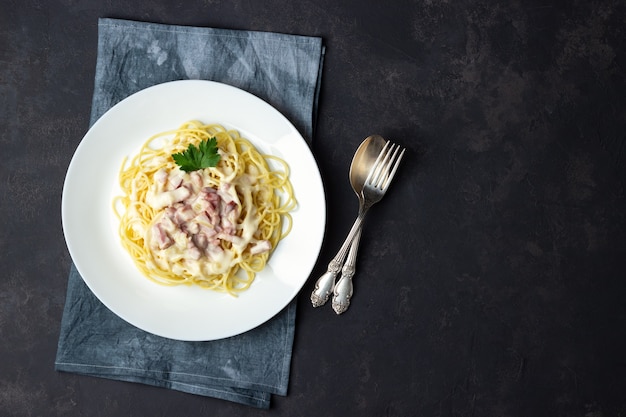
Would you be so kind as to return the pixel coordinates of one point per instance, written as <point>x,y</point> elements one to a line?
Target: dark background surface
<point>491,279</point>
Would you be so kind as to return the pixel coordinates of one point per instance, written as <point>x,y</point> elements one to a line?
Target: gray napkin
<point>285,71</point>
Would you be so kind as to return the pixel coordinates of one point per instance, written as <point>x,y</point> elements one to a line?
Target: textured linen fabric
<point>285,71</point>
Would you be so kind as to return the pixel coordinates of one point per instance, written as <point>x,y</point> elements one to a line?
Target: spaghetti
<point>215,227</point>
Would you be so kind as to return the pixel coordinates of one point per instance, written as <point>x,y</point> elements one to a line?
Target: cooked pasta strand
<point>172,248</point>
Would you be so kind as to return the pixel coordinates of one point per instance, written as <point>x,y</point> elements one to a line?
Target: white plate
<point>90,227</point>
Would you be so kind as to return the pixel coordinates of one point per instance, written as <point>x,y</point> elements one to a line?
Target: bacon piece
<point>184,213</point>
<point>200,240</point>
<point>229,213</point>
<point>214,251</point>
<point>167,198</point>
<point>207,231</point>
<point>168,224</point>
<point>228,193</point>
<point>260,247</point>
<point>234,239</point>
<point>175,180</point>
<point>160,237</point>
<point>192,228</point>
<point>193,251</point>
<point>161,176</point>
<point>196,180</point>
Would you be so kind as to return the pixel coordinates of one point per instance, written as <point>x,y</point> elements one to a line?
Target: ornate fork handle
<point>344,289</point>
<point>326,283</point>
<point>374,188</point>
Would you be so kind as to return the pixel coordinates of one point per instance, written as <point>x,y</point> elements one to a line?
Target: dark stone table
<point>491,280</point>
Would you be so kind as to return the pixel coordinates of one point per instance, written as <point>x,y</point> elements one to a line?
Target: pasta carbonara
<point>213,227</point>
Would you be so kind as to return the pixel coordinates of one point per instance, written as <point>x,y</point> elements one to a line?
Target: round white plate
<point>90,226</point>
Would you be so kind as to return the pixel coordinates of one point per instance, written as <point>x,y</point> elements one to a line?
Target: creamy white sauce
<point>195,216</point>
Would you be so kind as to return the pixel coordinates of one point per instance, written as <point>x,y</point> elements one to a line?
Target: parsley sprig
<point>203,156</point>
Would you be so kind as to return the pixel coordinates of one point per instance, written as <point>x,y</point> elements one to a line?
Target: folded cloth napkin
<point>285,71</point>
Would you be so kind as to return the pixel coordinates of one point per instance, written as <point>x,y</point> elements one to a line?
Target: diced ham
<point>170,212</point>
<point>160,237</point>
<point>214,251</point>
<point>175,180</point>
<point>202,219</point>
<point>196,180</point>
<point>229,213</point>
<point>198,219</point>
<point>234,239</point>
<point>180,239</point>
<point>208,202</point>
<point>207,231</point>
<point>161,176</point>
<point>167,198</point>
<point>193,251</point>
<point>228,194</point>
<point>167,224</point>
<point>201,240</point>
<point>260,247</point>
<point>184,213</point>
<point>192,228</point>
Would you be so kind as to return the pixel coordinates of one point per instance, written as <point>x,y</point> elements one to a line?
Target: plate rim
<point>87,140</point>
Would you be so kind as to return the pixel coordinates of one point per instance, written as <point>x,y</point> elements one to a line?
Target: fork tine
<point>393,150</point>
<point>394,169</point>
<point>375,170</point>
<point>383,172</point>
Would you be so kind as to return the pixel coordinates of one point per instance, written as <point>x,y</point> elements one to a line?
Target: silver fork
<point>342,292</point>
<point>375,187</point>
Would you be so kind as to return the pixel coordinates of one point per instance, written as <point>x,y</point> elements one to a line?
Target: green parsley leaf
<point>203,156</point>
